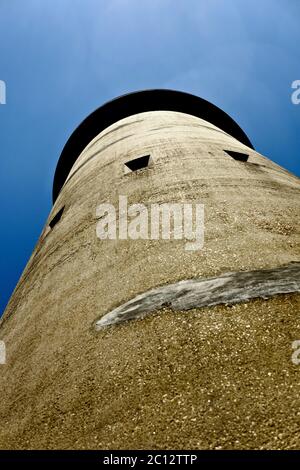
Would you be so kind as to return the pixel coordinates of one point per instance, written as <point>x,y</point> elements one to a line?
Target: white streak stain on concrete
<point>229,288</point>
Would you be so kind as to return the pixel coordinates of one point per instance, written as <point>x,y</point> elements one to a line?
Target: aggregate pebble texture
<point>208,378</point>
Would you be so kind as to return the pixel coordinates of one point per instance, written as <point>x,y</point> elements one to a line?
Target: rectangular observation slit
<point>137,164</point>
<point>57,217</point>
<point>241,157</point>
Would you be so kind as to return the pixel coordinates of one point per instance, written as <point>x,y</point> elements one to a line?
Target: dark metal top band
<point>135,103</point>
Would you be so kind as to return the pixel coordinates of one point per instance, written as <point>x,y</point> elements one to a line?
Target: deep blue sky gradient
<point>61,59</point>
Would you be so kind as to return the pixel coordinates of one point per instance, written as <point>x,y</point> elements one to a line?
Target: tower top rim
<point>134,103</point>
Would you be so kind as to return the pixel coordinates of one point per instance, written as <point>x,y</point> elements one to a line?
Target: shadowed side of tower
<point>179,375</point>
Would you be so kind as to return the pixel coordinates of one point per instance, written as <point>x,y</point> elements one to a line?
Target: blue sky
<point>61,59</point>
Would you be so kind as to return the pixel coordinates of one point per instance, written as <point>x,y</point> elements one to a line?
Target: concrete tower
<point>106,348</point>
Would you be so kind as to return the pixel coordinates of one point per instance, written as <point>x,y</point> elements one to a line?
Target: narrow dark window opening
<point>242,157</point>
<point>138,163</point>
<point>57,217</point>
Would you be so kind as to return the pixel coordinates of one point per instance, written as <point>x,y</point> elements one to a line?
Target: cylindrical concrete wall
<point>204,378</point>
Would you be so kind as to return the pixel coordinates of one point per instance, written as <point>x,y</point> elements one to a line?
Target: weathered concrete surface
<point>170,380</point>
<point>219,377</point>
<point>230,288</point>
